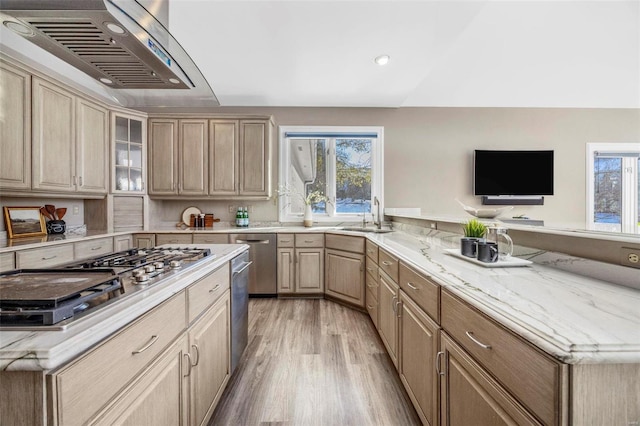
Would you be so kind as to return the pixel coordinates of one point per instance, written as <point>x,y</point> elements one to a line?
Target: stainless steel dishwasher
<point>239,307</point>
<point>263,254</point>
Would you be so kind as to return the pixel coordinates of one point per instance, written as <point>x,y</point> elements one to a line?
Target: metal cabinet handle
<point>438,356</point>
<point>96,248</point>
<point>369,307</point>
<point>188,355</point>
<point>476,341</point>
<point>49,258</point>
<point>80,180</point>
<point>73,179</point>
<point>309,241</point>
<point>394,304</point>
<point>246,265</point>
<point>197,349</point>
<point>398,311</point>
<point>154,339</point>
<point>361,266</point>
<point>412,287</point>
<point>215,288</point>
<point>386,263</point>
<point>285,241</point>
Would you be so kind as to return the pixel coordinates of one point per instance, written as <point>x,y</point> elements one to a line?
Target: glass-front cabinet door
<point>129,155</point>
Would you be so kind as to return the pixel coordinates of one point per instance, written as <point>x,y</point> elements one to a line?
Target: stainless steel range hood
<point>116,42</point>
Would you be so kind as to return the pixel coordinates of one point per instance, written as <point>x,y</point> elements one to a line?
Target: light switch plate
<point>630,257</point>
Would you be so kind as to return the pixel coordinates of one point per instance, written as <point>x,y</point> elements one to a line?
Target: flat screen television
<point>513,173</point>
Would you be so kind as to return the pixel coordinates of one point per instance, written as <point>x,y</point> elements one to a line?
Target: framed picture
<point>24,222</point>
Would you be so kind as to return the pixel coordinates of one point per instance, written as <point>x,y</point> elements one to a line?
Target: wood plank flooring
<point>313,362</point>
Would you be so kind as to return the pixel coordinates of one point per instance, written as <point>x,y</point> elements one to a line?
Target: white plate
<point>186,214</point>
<point>507,263</point>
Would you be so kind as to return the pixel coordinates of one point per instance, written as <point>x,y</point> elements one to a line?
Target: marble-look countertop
<point>572,316</point>
<point>45,350</point>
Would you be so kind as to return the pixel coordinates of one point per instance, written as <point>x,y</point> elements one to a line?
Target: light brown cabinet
<point>209,157</point>
<point>15,128</point>
<point>70,142</point>
<point>389,293</point>
<point>144,240</point>
<point>371,281</point>
<point>300,268</point>
<point>345,269</point>
<point>122,242</point>
<point>129,153</point>
<point>176,239</point>
<point>7,261</point>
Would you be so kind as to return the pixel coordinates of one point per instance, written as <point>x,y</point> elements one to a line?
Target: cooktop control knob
<point>142,278</point>
<point>175,264</point>
<point>158,265</point>
<point>149,268</point>
<point>138,272</point>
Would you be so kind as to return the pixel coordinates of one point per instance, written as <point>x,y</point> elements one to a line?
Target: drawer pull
<point>309,241</point>
<point>197,349</point>
<point>285,241</point>
<point>438,356</point>
<point>369,307</point>
<point>412,287</point>
<point>369,251</point>
<point>215,288</point>
<point>96,248</point>
<point>476,341</point>
<point>49,258</point>
<point>188,355</point>
<point>154,339</point>
<point>370,269</point>
<point>387,263</point>
<point>394,304</point>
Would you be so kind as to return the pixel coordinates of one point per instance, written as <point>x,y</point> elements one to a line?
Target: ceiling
<point>443,53</point>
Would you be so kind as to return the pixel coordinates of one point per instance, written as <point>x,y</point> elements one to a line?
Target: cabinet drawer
<point>372,251</point>
<point>286,240</point>
<point>173,239</point>
<point>309,240</point>
<point>203,293</point>
<point>372,305</point>
<point>87,384</point>
<point>93,248</point>
<point>372,268</point>
<point>210,239</point>
<point>372,282</point>
<point>421,290</point>
<point>346,243</point>
<point>389,264</point>
<point>7,261</point>
<point>526,372</point>
<point>44,257</point>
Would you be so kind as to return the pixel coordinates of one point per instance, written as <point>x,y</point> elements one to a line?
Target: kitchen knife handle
<point>154,339</point>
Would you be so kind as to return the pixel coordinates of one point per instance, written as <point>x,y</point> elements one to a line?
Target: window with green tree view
<point>338,170</point>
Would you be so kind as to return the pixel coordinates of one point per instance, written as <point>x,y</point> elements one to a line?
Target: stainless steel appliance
<point>239,307</point>
<point>263,254</point>
<point>53,298</point>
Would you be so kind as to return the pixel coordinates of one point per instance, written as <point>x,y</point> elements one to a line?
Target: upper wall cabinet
<point>129,135</point>
<point>15,128</point>
<point>209,158</point>
<point>70,140</point>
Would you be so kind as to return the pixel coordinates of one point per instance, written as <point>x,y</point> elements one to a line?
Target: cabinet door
<point>15,128</point>
<point>223,157</point>
<point>144,240</point>
<point>159,397</point>
<point>254,157</point>
<point>92,147</point>
<point>193,153</point>
<point>471,397</point>
<point>209,346</point>
<point>54,136</point>
<point>129,153</point>
<point>345,276</point>
<point>286,270</point>
<point>419,339</point>
<point>122,242</point>
<point>388,315</point>
<point>309,270</point>
<point>163,157</point>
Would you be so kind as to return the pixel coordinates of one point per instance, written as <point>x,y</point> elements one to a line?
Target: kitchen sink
<point>372,230</point>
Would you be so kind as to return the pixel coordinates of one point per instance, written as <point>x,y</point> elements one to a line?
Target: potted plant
<point>474,231</point>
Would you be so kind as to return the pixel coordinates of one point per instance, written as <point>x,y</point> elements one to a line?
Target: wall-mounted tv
<point>513,173</point>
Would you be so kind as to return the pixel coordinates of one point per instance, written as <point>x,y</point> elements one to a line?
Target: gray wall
<point>428,153</point>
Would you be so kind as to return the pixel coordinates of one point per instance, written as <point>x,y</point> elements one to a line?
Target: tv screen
<point>513,173</point>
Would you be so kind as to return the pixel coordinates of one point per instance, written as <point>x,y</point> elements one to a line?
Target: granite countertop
<point>573,317</point>
<point>45,350</point>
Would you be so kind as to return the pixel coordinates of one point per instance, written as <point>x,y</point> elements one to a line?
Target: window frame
<point>629,181</point>
<point>377,172</point>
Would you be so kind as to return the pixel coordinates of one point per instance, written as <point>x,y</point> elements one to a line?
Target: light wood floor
<point>313,362</point>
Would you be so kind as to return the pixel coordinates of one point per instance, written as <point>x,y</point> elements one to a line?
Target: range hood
<point>118,43</point>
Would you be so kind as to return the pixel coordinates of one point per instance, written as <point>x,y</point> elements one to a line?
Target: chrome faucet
<point>377,223</point>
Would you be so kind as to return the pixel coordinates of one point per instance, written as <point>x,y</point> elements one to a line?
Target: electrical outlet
<point>433,225</point>
<point>76,209</point>
<point>250,208</point>
<point>232,209</point>
<point>630,257</point>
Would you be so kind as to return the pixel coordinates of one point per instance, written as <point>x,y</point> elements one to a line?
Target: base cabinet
<point>471,397</point>
<point>300,268</point>
<point>419,340</point>
<point>388,315</point>
<point>345,276</point>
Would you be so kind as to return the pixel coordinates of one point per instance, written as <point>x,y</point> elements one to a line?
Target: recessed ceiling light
<point>116,29</point>
<point>106,80</point>
<point>174,80</point>
<point>19,28</point>
<point>382,59</point>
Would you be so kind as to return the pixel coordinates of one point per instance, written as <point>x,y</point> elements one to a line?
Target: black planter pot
<point>56,227</point>
<point>469,246</point>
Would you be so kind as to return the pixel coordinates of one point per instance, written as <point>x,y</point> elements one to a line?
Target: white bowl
<point>485,213</point>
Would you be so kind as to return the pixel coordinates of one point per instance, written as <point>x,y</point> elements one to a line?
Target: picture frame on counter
<point>24,222</point>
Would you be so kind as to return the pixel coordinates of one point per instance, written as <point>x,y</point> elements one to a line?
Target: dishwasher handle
<point>252,241</point>
<point>245,266</point>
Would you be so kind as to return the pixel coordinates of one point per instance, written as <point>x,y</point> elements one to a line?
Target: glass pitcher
<point>497,233</point>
